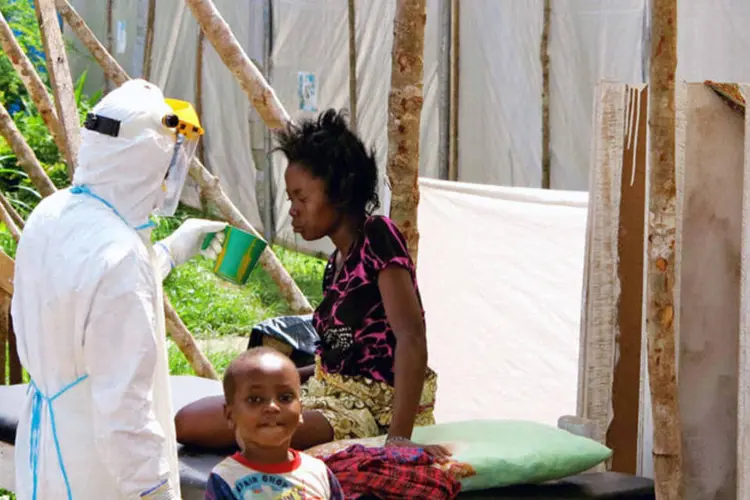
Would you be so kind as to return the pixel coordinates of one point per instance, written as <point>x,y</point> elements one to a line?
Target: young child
<point>263,409</point>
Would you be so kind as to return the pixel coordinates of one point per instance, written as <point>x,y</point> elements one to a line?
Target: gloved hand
<point>186,241</point>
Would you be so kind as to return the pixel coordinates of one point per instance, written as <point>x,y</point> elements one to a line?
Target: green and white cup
<point>239,254</point>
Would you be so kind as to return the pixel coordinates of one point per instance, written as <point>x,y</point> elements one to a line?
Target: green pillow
<point>499,452</point>
<point>506,452</point>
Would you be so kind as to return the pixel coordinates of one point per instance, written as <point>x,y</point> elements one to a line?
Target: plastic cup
<point>239,254</point>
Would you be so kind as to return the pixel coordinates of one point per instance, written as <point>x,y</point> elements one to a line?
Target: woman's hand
<point>440,453</point>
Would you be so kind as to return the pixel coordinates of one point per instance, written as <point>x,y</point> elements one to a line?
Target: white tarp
<point>500,77</point>
<point>500,271</point>
<point>301,46</point>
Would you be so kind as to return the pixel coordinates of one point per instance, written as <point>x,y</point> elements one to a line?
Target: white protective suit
<point>88,313</point>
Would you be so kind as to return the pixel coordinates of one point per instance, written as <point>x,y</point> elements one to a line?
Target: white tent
<point>500,78</point>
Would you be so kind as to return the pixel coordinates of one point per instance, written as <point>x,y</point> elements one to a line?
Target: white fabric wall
<point>300,45</point>
<point>502,306</point>
<point>500,77</point>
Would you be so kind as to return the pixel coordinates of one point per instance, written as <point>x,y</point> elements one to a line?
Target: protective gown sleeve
<point>164,262</point>
<point>120,355</point>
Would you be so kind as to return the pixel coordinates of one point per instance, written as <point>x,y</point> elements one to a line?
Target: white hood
<point>128,170</point>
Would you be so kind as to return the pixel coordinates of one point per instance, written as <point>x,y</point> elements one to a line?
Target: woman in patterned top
<point>371,375</point>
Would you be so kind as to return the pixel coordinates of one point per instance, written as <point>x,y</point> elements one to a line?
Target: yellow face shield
<point>186,125</point>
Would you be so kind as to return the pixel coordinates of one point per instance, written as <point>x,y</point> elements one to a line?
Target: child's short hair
<point>238,365</point>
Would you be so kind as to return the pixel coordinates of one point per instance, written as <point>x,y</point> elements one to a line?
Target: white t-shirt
<point>302,477</point>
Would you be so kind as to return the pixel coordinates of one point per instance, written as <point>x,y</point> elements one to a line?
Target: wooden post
<point>404,115</point>
<point>544,52</point>
<point>210,187</point>
<point>24,154</point>
<point>110,39</point>
<point>454,86</point>
<point>149,49</point>
<point>34,85</point>
<point>201,44</point>
<point>185,341</point>
<point>17,219</point>
<point>7,219</point>
<point>352,18</point>
<point>62,82</point>
<point>661,252</point>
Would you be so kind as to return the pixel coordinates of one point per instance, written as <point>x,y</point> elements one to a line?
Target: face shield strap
<point>102,124</point>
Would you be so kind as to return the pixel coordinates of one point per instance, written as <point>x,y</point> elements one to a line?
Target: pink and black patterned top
<point>355,336</point>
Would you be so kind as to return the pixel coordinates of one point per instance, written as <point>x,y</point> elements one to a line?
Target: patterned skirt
<point>359,407</point>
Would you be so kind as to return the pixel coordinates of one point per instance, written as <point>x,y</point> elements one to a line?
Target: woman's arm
<point>405,317</point>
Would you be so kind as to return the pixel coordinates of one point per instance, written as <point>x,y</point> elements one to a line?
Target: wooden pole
<point>352,18</point>
<point>34,85</point>
<point>17,219</point>
<point>404,115</point>
<point>250,78</point>
<point>454,88</point>
<point>24,154</point>
<point>7,219</point>
<point>62,82</point>
<point>210,187</point>
<point>112,69</point>
<point>544,51</point>
<point>661,252</point>
<point>149,49</point>
<point>184,340</point>
<point>199,88</point>
<point>110,39</point>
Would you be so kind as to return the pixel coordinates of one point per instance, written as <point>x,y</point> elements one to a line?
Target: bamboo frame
<point>404,117</point>
<point>61,80</point>
<point>662,229</point>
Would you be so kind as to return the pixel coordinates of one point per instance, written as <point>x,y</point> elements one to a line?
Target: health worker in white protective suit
<point>88,310</point>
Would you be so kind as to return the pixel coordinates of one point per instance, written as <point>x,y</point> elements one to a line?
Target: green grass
<point>213,307</point>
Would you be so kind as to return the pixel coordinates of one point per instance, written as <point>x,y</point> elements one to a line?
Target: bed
<point>195,464</point>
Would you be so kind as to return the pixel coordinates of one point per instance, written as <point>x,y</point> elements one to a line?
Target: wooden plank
<point>62,82</point>
<point>599,326</point>
<point>743,380</point>
<point>16,370</point>
<point>730,92</point>
<point>623,432</point>
<point>7,270</point>
<point>709,292</point>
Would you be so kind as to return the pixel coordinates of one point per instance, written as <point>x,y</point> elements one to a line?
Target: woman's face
<point>313,216</point>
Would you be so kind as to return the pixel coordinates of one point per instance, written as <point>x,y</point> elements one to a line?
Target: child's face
<point>266,408</point>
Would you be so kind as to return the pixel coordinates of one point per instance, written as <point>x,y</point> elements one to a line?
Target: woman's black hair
<point>334,154</point>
